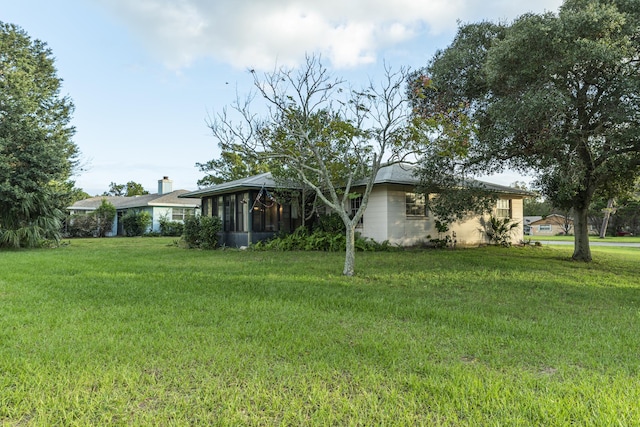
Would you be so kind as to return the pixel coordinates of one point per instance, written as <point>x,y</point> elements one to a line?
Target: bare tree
<point>605,220</point>
<point>318,131</point>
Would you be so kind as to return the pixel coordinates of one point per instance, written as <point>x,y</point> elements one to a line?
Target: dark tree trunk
<point>582,251</point>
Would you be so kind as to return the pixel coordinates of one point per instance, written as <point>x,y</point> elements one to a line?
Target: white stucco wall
<point>386,219</point>
<point>374,223</point>
<point>403,230</point>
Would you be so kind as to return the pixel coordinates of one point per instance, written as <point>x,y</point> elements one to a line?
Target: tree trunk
<point>350,256</point>
<point>582,251</point>
<point>605,220</point>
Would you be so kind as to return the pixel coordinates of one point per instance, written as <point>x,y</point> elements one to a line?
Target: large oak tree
<point>557,94</point>
<point>37,154</point>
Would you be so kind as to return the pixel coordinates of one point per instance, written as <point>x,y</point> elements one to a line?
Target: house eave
<point>255,182</point>
<point>175,205</point>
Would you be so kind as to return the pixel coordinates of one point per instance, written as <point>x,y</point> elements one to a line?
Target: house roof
<point>172,199</point>
<point>253,182</point>
<point>397,173</point>
<point>531,219</point>
<point>552,219</point>
<point>403,173</point>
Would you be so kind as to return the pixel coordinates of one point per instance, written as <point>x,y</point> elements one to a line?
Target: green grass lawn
<point>140,332</point>
<point>616,239</point>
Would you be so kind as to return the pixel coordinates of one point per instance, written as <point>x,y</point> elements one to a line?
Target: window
<point>416,204</point>
<point>266,212</point>
<point>238,211</point>
<point>545,227</point>
<point>229,212</point>
<point>220,206</point>
<point>241,201</point>
<point>179,214</point>
<point>503,208</point>
<point>355,205</point>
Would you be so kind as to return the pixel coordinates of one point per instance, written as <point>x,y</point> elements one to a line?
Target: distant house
<point>551,225</point>
<point>164,203</point>
<point>526,223</point>
<point>396,212</point>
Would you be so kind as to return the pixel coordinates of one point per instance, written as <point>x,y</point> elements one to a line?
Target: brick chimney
<point>165,185</point>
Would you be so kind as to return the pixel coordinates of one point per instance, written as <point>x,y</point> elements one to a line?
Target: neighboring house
<point>396,212</point>
<point>527,220</point>
<point>165,203</point>
<point>550,225</point>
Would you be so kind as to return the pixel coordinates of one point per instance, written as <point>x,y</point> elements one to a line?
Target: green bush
<point>191,231</point>
<point>331,223</point>
<point>302,240</point>
<point>104,216</point>
<point>201,232</point>
<point>443,240</point>
<point>210,226</point>
<point>92,224</point>
<point>499,230</point>
<point>81,225</point>
<point>136,223</point>
<point>170,228</point>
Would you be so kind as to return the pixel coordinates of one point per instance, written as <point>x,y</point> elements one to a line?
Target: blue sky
<point>144,75</point>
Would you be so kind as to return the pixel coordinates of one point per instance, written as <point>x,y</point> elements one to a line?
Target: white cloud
<point>259,33</point>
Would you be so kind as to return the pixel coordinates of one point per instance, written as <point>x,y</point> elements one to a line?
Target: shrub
<point>499,230</point>
<point>191,231</point>
<point>136,223</point>
<point>170,228</point>
<point>92,224</point>
<point>331,223</point>
<point>201,232</point>
<point>104,216</point>
<point>81,225</point>
<point>443,240</point>
<point>210,226</point>
<point>319,240</point>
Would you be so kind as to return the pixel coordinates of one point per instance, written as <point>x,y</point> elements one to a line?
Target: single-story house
<point>527,220</point>
<point>165,203</point>
<point>396,212</point>
<point>551,225</point>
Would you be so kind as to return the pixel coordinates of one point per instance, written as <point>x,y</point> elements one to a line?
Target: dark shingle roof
<point>252,182</point>
<point>404,174</point>
<point>397,173</point>
<point>169,199</point>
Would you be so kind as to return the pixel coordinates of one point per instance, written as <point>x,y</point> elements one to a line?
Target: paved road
<point>620,244</point>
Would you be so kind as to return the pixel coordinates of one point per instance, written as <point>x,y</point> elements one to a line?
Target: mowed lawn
<point>592,239</point>
<point>141,332</point>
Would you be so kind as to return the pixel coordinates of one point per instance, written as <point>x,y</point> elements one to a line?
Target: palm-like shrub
<point>499,230</point>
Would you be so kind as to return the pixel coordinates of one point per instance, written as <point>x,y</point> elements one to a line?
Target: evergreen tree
<point>37,154</point>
